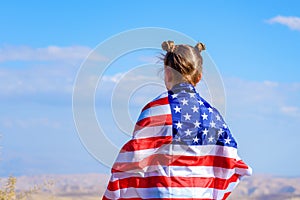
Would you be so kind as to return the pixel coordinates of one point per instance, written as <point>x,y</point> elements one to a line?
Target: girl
<point>181,146</point>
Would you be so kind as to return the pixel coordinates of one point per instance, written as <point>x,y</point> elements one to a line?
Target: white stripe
<point>154,111</point>
<point>153,131</point>
<point>182,171</point>
<point>179,150</point>
<point>171,192</point>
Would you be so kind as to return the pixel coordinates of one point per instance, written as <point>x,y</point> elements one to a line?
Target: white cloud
<point>114,78</point>
<point>46,79</point>
<point>50,53</point>
<point>270,83</point>
<point>291,22</point>
<point>263,99</point>
<point>290,110</point>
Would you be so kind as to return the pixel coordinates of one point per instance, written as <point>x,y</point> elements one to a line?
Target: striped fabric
<point>181,149</point>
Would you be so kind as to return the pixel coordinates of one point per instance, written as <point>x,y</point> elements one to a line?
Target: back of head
<point>185,59</point>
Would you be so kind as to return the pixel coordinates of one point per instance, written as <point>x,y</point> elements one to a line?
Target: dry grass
<point>9,191</point>
<point>61,187</point>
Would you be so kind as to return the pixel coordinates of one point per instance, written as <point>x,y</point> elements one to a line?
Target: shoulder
<point>162,95</point>
<point>161,99</point>
<point>155,113</point>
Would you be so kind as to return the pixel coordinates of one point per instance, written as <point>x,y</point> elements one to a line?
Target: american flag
<point>181,149</point>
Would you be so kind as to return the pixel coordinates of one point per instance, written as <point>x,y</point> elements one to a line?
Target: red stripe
<point>159,120</point>
<point>163,181</point>
<point>216,161</point>
<point>241,164</point>
<point>158,102</point>
<point>146,143</point>
<point>226,195</point>
<point>169,160</point>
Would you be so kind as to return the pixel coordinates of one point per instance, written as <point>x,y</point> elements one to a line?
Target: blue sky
<point>254,44</point>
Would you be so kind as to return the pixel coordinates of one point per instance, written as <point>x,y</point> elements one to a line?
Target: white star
<point>178,139</point>
<point>197,124</point>
<point>211,139</point>
<point>187,116</point>
<point>195,109</point>
<point>204,116</point>
<point>212,124</point>
<point>200,102</point>
<point>220,132</point>
<point>188,132</point>
<point>177,109</point>
<point>192,95</point>
<point>184,101</point>
<point>228,140</point>
<point>218,117</point>
<point>195,140</point>
<point>174,96</point>
<point>205,132</point>
<point>179,125</point>
<point>210,110</point>
<point>224,125</point>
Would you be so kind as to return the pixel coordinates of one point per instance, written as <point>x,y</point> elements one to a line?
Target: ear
<point>199,77</point>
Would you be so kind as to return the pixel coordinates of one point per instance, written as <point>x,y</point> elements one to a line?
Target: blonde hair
<point>185,59</point>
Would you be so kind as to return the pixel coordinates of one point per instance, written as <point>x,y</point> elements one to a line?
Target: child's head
<point>183,63</point>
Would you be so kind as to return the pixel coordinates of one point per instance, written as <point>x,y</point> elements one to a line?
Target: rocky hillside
<point>261,187</point>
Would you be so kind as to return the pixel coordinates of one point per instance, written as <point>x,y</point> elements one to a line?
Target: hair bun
<point>168,46</point>
<point>200,46</point>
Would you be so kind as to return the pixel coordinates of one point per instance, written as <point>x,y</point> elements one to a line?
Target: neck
<point>171,85</point>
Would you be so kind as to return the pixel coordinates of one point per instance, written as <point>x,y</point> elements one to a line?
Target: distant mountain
<point>92,186</point>
<point>262,187</point>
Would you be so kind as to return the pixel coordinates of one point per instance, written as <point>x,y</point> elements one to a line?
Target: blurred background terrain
<point>92,186</point>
